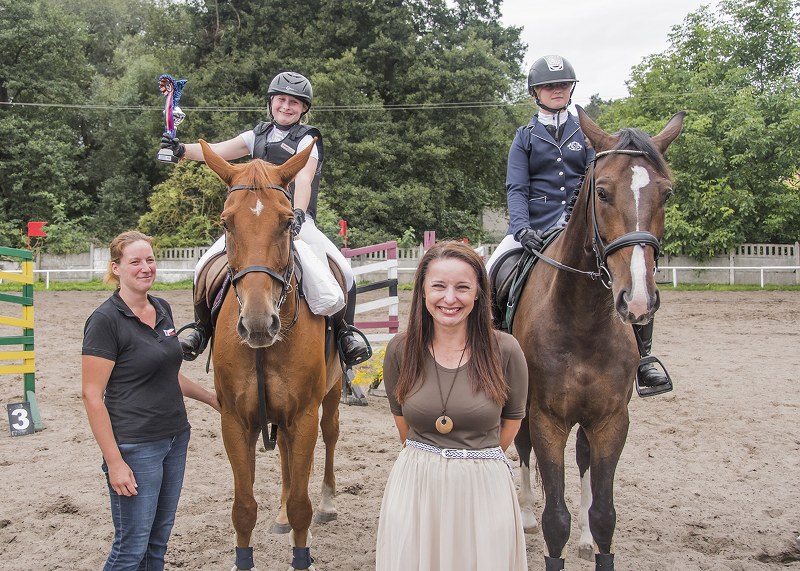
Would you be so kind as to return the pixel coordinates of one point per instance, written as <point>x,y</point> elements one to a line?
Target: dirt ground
<point>708,479</point>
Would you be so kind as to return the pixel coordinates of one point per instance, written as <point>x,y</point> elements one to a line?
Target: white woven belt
<point>495,453</point>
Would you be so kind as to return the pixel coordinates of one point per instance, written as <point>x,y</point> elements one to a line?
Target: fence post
<point>797,262</point>
<point>731,272</point>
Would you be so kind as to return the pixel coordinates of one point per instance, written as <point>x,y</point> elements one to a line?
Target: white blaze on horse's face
<point>259,207</point>
<point>639,295</point>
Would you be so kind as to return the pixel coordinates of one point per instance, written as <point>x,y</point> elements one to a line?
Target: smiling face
<point>136,268</point>
<point>451,287</point>
<point>287,110</point>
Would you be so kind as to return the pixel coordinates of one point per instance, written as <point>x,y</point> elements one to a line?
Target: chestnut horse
<point>573,322</point>
<point>267,340</point>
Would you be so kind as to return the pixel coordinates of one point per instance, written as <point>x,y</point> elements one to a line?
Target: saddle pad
<point>210,279</point>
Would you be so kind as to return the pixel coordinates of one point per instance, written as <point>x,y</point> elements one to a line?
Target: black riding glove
<point>531,239</point>
<point>299,218</point>
<point>173,144</point>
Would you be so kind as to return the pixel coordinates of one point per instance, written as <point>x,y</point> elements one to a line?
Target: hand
<point>299,219</point>
<point>532,240</point>
<point>121,478</point>
<point>173,144</point>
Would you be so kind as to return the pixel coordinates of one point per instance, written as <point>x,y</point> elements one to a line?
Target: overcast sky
<point>602,39</point>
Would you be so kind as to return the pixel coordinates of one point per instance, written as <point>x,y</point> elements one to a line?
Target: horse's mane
<point>638,140</point>
<point>256,173</point>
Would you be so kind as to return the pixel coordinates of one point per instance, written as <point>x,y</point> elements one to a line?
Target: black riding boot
<point>196,341</point>
<point>353,346</point>
<point>651,377</point>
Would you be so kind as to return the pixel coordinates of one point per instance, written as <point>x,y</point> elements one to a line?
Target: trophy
<point>171,89</point>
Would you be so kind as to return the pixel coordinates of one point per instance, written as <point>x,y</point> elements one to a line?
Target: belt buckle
<point>454,453</point>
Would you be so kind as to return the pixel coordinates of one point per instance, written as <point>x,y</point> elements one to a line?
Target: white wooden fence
<point>749,264</point>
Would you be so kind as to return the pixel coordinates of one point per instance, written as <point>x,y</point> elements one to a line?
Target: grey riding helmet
<point>550,69</point>
<point>294,84</point>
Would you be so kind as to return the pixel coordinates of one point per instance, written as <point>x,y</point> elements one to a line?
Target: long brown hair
<point>484,365</point>
<point>117,247</point>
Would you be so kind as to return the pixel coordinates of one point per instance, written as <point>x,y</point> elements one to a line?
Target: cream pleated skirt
<point>443,514</point>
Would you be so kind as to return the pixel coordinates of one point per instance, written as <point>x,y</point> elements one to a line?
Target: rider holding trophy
<point>290,97</point>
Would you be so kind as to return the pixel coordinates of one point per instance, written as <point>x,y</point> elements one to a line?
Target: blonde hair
<point>117,247</point>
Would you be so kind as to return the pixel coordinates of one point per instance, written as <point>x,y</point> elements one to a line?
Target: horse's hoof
<point>586,552</point>
<point>324,517</point>
<point>280,528</point>
<point>312,568</point>
<point>234,568</point>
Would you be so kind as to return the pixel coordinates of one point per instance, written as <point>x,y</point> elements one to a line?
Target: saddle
<point>508,277</point>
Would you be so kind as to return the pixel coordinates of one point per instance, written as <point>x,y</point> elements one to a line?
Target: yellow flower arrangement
<point>369,374</point>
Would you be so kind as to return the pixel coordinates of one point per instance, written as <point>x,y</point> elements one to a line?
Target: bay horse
<point>267,341</point>
<point>573,322</point>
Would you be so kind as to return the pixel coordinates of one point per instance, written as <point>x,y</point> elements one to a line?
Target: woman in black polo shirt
<point>133,393</point>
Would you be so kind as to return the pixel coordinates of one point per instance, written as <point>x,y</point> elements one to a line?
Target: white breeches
<point>508,243</point>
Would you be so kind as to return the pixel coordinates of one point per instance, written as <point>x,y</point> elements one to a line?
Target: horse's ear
<point>220,166</point>
<point>288,170</point>
<point>600,140</point>
<point>670,132</point>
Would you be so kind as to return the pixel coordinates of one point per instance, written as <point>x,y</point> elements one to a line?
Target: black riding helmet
<point>551,69</point>
<point>293,84</point>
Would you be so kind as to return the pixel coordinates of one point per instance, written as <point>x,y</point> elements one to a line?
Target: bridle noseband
<point>284,279</point>
<point>602,250</point>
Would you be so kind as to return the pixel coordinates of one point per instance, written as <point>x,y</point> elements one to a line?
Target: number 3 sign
<point>19,419</point>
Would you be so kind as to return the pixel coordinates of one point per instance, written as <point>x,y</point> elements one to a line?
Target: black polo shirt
<point>143,396</point>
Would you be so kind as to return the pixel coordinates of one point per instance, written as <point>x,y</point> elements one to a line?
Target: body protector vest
<point>281,151</point>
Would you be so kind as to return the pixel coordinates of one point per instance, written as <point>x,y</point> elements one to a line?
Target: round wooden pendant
<point>444,424</point>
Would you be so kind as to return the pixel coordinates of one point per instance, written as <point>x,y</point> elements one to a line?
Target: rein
<point>602,250</point>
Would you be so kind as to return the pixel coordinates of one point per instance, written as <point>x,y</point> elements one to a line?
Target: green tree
<point>737,161</point>
<point>42,61</point>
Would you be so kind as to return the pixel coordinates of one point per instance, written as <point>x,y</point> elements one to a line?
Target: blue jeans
<point>143,523</point>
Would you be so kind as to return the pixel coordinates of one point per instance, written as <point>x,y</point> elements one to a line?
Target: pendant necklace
<point>444,423</point>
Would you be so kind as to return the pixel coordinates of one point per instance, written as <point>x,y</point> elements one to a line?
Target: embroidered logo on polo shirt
<point>575,146</point>
<point>287,148</point>
<point>169,332</point>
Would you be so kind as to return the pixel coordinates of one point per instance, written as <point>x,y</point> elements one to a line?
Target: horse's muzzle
<point>639,310</point>
<point>259,331</point>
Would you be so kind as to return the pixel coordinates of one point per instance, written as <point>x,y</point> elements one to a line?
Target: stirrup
<point>645,391</point>
<point>190,353</point>
<point>352,360</point>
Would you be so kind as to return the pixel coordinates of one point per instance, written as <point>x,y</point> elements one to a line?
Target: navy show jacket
<point>542,173</point>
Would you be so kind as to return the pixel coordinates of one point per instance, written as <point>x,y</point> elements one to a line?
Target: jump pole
<point>27,356</point>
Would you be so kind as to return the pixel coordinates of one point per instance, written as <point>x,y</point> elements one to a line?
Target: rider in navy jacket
<point>542,174</point>
<point>546,163</point>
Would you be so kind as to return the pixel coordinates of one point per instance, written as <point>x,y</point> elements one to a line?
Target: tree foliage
<point>417,100</point>
<point>736,164</point>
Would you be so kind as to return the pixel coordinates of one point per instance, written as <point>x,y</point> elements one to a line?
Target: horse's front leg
<point>522,442</point>
<point>549,440</point>
<point>330,435</point>
<point>583,457</point>
<point>240,445</point>
<point>301,438</point>
<point>606,447</point>
<point>281,523</point>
